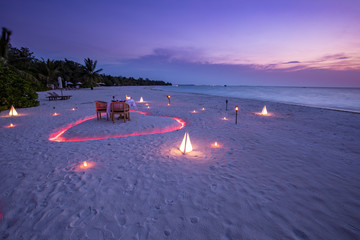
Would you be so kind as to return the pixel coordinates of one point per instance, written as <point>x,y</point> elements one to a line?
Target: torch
<point>168,96</point>
<point>236,111</point>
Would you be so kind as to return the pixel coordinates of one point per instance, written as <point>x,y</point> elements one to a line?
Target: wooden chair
<point>101,108</point>
<point>121,108</point>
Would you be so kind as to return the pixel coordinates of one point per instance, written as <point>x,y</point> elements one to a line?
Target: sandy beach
<point>292,175</point>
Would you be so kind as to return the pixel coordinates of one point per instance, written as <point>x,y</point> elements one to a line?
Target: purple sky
<point>234,42</point>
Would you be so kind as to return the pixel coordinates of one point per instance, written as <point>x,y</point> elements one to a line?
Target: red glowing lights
<point>58,135</point>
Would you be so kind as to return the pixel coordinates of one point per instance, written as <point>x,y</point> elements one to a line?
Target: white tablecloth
<point>131,103</point>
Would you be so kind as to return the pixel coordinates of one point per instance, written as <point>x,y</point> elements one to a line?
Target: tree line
<point>22,75</point>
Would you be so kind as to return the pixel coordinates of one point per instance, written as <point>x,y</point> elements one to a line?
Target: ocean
<point>344,99</point>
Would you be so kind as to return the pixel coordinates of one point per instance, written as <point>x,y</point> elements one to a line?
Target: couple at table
<point>130,101</point>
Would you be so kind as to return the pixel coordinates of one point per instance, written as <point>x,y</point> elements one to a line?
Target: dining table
<point>131,103</point>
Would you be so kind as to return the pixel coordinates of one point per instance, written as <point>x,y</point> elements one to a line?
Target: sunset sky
<point>234,42</point>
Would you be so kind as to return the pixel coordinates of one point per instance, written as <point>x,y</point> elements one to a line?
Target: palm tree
<point>48,71</point>
<point>4,43</point>
<point>90,73</point>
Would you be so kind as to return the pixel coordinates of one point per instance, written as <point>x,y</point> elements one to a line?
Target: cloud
<point>184,66</point>
<point>291,62</point>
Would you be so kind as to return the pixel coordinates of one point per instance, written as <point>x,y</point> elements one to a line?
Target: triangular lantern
<point>185,146</point>
<point>13,111</point>
<point>264,111</point>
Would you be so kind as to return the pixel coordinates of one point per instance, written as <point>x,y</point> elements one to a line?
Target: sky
<point>217,42</point>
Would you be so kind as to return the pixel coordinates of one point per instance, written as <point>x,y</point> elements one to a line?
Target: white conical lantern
<point>185,146</point>
<point>141,99</point>
<point>264,111</point>
<point>13,111</point>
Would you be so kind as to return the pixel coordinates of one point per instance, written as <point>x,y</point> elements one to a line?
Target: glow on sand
<point>58,135</point>
<point>85,165</point>
<point>216,145</point>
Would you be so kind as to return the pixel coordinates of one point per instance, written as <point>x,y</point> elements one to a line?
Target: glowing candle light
<point>194,111</point>
<point>141,99</point>
<point>13,111</point>
<point>224,118</point>
<point>185,146</point>
<point>215,145</point>
<point>203,109</point>
<point>148,107</point>
<point>127,98</point>
<point>168,96</point>
<point>73,109</point>
<point>55,114</point>
<point>85,164</point>
<point>264,111</point>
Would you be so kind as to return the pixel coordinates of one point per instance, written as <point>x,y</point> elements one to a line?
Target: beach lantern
<point>264,111</point>
<point>236,110</point>
<point>168,96</point>
<point>215,145</point>
<point>141,99</point>
<point>13,112</point>
<point>185,146</point>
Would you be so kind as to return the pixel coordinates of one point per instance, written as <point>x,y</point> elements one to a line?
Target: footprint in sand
<point>167,233</point>
<point>213,187</point>
<point>82,216</point>
<point>194,220</point>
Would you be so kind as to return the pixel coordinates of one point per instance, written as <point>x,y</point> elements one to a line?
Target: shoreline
<point>274,101</point>
<point>271,101</point>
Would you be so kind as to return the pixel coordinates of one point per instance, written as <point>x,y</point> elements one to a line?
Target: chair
<point>121,108</point>
<point>101,108</point>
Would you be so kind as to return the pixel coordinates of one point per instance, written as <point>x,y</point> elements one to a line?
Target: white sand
<point>294,175</point>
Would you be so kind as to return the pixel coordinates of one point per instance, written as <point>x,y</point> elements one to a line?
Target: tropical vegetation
<point>22,75</point>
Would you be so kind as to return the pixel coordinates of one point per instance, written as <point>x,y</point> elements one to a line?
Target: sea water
<point>345,99</point>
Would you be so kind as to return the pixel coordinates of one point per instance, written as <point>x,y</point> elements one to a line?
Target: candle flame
<point>185,146</point>
<point>264,111</point>
<point>13,111</point>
